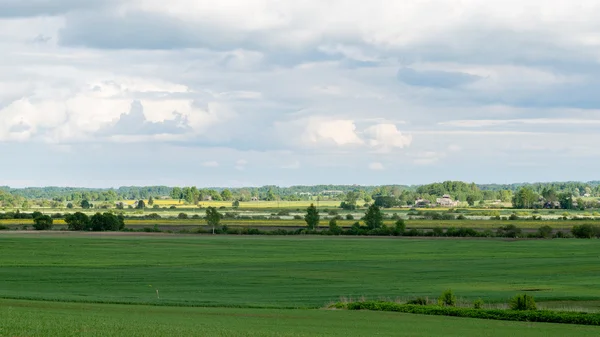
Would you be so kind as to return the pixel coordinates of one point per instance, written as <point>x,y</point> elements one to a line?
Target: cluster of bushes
<point>522,308</point>
<point>98,222</point>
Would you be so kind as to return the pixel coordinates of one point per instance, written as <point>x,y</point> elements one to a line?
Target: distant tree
<point>150,201</point>
<point>334,228</point>
<point>386,201</point>
<point>182,216</point>
<point>176,193</point>
<point>226,195</point>
<point>471,200</point>
<point>312,217</point>
<point>42,222</point>
<point>107,222</point>
<point>141,204</point>
<point>235,203</point>
<point>85,204</point>
<point>213,217</point>
<point>70,205</point>
<point>271,195</point>
<point>120,205</point>
<point>77,222</point>
<point>565,200</point>
<point>373,217</point>
<point>524,198</point>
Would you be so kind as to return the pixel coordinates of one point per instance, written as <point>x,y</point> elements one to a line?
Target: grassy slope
<point>26,318</point>
<point>289,271</point>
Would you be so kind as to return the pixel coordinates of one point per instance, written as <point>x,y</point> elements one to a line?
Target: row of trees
<point>373,217</point>
<point>526,198</point>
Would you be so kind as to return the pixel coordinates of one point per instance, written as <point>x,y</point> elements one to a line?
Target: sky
<point>109,93</point>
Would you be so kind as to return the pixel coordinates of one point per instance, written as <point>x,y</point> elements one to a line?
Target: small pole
<point>157,296</point>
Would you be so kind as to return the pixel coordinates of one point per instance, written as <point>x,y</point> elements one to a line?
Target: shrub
<point>585,231</point>
<point>182,216</point>
<point>523,302</point>
<point>400,227</point>
<point>418,301</point>
<point>509,231</point>
<point>334,228</point>
<point>478,304</point>
<point>349,217</point>
<point>298,217</point>
<point>438,231</point>
<point>42,222</point>
<point>545,232</point>
<point>283,213</point>
<point>461,217</point>
<point>447,299</point>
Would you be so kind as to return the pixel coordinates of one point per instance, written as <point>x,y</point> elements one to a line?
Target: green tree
<point>151,201</point>
<point>471,200</point>
<point>235,203</point>
<point>42,222</point>
<point>524,198</point>
<point>85,204</point>
<point>565,200</point>
<point>77,222</point>
<point>141,204</point>
<point>373,217</point>
<point>176,193</point>
<point>312,217</point>
<point>213,218</point>
<point>334,228</point>
<point>107,222</point>
<point>70,205</point>
<point>226,195</point>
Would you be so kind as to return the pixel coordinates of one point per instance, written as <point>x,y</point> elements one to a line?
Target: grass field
<point>28,318</point>
<point>280,272</point>
<point>105,284</point>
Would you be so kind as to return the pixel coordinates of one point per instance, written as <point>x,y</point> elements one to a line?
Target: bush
<point>418,301</point>
<point>400,227</point>
<point>42,222</point>
<point>545,232</point>
<point>349,217</point>
<point>496,314</point>
<point>298,217</point>
<point>509,231</point>
<point>585,231</point>
<point>447,299</point>
<point>478,304</point>
<point>334,228</point>
<point>182,216</point>
<point>523,302</point>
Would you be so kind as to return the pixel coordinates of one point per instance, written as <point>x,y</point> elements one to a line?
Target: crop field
<point>285,271</point>
<point>67,284</point>
<point>30,318</point>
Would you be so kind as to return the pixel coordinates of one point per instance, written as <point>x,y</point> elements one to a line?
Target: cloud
<point>436,79</point>
<point>240,165</point>
<point>386,137</point>
<point>210,164</point>
<point>135,123</point>
<point>375,166</point>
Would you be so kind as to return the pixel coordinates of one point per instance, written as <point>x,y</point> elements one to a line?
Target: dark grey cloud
<point>135,123</point>
<point>437,79</point>
<point>29,8</point>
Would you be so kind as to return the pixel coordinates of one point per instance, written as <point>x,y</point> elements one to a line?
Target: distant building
<point>208,198</point>
<point>422,203</point>
<point>446,201</point>
<point>254,199</point>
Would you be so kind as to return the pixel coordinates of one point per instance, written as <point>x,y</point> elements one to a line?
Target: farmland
<point>257,286</point>
<point>278,272</point>
<point>30,318</point>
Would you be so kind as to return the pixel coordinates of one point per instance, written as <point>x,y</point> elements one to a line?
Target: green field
<point>277,286</point>
<point>303,272</point>
<point>27,318</point>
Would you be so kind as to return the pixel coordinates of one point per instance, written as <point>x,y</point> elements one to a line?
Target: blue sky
<point>236,93</point>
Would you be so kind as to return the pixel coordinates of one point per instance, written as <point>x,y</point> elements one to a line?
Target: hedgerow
<point>543,316</point>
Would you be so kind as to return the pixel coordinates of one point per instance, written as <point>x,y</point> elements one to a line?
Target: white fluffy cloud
<point>408,84</point>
